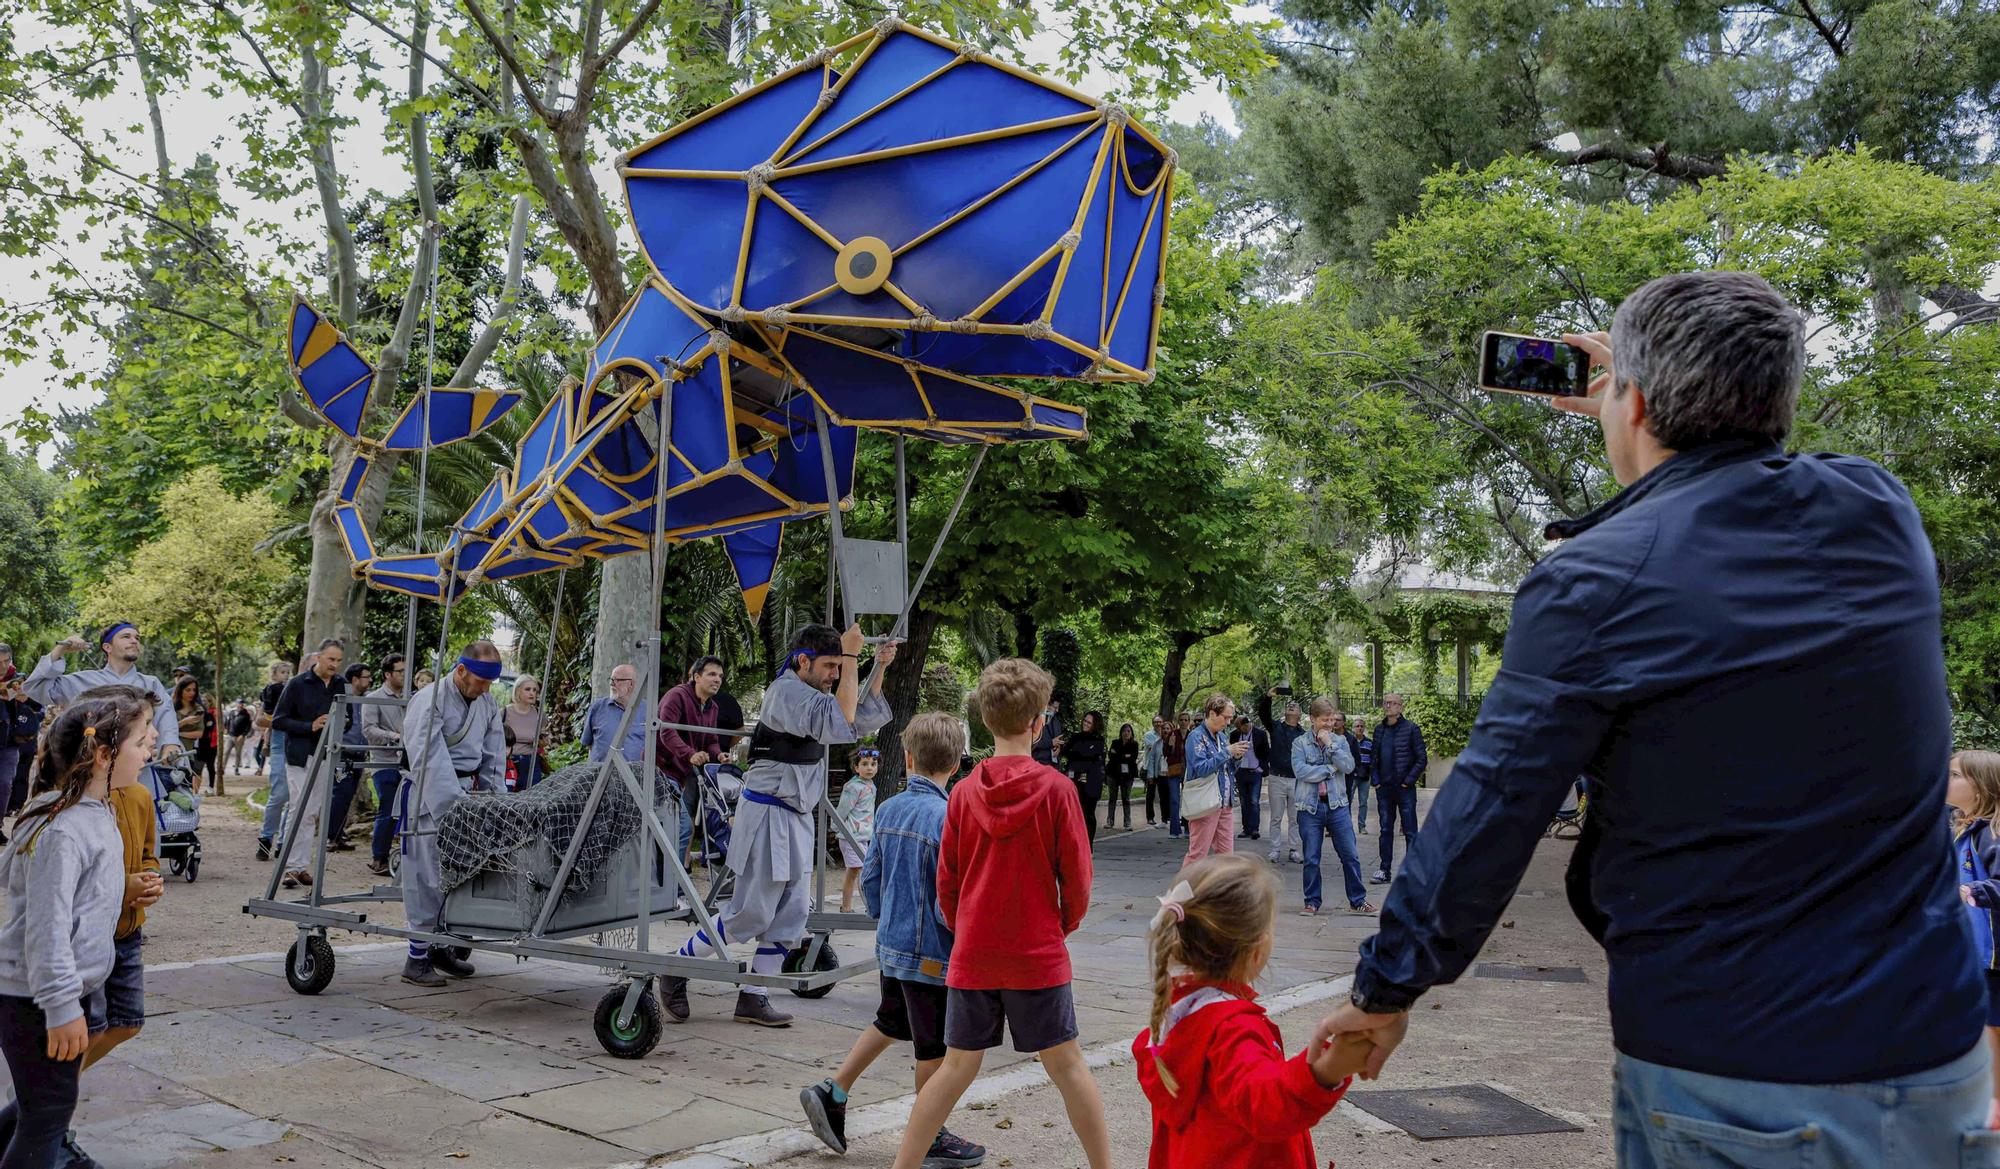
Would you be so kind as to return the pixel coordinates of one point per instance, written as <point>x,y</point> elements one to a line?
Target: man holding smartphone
<point>1792,975</point>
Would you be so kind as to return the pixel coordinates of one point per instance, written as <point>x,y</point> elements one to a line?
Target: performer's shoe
<point>827,1117</point>
<point>418,972</point>
<point>951,1151</point>
<point>674,997</point>
<point>757,1008</point>
<point>445,961</point>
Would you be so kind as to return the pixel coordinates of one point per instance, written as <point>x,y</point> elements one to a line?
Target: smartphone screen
<point>1514,364</point>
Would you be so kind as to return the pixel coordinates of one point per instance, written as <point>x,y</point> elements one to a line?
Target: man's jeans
<point>1317,823</point>
<point>11,758</point>
<point>1170,805</point>
<point>1357,803</point>
<point>1665,1118</point>
<point>387,781</point>
<point>1278,802</point>
<point>274,800</point>
<point>1391,802</point>
<point>1251,784</point>
<point>344,789</point>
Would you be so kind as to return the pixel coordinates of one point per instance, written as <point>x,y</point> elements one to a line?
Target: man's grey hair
<point>6,651</point>
<point>1719,355</point>
<point>332,643</point>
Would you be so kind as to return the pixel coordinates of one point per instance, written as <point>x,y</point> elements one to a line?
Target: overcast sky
<point>197,123</point>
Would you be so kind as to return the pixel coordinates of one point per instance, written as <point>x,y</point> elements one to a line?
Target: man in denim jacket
<point>1320,762</point>
<point>912,943</point>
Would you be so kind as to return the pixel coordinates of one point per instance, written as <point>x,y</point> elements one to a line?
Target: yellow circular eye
<point>862,266</point>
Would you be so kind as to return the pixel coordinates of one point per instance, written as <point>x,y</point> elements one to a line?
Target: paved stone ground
<point>233,1069</point>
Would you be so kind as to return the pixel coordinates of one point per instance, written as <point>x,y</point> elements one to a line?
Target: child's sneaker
<point>827,1116</point>
<point>951,1151</point>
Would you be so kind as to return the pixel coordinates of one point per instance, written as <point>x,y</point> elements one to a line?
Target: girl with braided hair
<point>1212,1063</point>
<point>65,879</point>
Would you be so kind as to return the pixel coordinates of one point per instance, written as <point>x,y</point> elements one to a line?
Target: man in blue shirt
<point>1791,974</point>
<point>600,726</point>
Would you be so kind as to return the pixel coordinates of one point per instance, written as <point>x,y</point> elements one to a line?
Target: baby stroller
<point>1568,821</point>
<point>177,806</point>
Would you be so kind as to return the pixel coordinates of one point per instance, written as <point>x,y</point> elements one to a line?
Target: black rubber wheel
<point>637,1037</point>
<point>309,964</point>
<point>190,870</point>
<point>795,963</point>
<point>175,865</point>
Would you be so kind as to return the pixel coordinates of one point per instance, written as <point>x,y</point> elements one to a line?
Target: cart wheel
<point>190,870</point>
<point>309,965</point>
<point>175,865</point>
<point>795,963</point>
<point>638,1036</point>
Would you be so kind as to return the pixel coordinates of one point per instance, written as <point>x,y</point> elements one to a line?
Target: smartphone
<point>1510,363</point>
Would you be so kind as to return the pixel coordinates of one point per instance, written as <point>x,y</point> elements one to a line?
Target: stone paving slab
<point>233,1069</point>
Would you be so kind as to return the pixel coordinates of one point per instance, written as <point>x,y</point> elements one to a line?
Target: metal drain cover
<point>1463,1110</point>
<point>1515,973</point>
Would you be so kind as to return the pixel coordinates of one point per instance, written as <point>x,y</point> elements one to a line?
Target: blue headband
<point>115,630</point>
<point>868,753</point>
<point>479,669</point>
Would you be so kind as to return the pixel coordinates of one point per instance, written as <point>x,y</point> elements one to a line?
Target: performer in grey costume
<point>50,686</point>
<point>816,701</point>
<point>455,743</point>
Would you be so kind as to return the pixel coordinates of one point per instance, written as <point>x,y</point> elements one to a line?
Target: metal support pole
<point>329,743</point>
<point>662,457</point>
<point>832,514</point>
<point>902,521</point>
<point>937,546</point>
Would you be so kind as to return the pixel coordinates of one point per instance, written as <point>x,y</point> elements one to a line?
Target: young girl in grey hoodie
<point>65,876</point>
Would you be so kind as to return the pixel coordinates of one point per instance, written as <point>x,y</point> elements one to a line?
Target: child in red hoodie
<point>1213,1064</point>
<point>1013,882</point>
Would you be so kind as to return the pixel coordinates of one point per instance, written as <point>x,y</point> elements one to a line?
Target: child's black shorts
<point>913,1012</point>
<point>1038,1019</point>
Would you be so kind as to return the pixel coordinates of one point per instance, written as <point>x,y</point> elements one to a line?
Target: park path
<point>233,1069</point>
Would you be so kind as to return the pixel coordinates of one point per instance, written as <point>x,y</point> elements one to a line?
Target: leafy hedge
<point>1446,724</point>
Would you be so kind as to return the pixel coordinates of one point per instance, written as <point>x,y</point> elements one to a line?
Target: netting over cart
<point>526,833</point>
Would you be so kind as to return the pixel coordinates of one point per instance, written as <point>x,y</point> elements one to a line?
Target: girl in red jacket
<point>1213,1063</point>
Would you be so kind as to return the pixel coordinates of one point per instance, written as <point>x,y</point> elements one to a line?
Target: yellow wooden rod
<point>1002,189</point>
<point>935,145</point>
<point>864,115</point>
<point>1006,290</point>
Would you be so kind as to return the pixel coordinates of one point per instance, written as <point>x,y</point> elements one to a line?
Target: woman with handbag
<point>1083,759</point>
<point>1206,789</point>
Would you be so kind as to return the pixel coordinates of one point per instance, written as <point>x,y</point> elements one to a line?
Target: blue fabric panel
<point>548,522</point>
<point>691,229</point>
<point>486,506</point>
<point>701,421</point>
<point>1134,215</point>
<point>1133,342</point>
<point>956,269</point>
<point>786,260</point>
<point>898,199</point>
<point>956,401</point>
<point>753,553</point>
<point>898,62</point>
<point>970,99</point>
<point>600,499</point>
<point>357,472</point>
<point>1058,416</point>
<point>725,498</point>
<point>304,318</point>
<point>1079,311</point>
<point>412,587</point>
<point>610,550</point>
<point>625,449</point>
<point>539,449</point>
<point>984,355</point>
<point>524,566</point>
<point>354,533</point>
<point>879,306</point>
<point>470,553</point>
<point>741,136</point>
<point>855,384</point>
<point>344,411</point>
<point>798,472</point>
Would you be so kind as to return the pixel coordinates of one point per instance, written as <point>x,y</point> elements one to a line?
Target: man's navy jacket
<point>1720,646</point>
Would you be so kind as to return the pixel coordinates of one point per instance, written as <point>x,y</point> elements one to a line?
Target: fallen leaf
<point>1506,925</point>
<point>1005,1122</point>
<point>461,1155</point>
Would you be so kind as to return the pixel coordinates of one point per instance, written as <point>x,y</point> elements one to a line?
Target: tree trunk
<point>903,688</point>
<point>1025,631</point>
<point>221,732</point>
<point>1170,674</point>
<point>624,616</point>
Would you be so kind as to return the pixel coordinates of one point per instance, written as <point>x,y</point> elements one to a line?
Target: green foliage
<point>1061,655</point>
<point>1446,723</point>
<point>34,585</point>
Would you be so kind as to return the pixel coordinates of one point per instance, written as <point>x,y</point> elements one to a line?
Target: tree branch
<point>632,31</point>
<point>476,90</point>
<point>1826,34</point>
<point>1659,160</point>
<point>505,48</point>
<point>327,178</point>
<point>510,297</point>
<point>1972,308</point>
